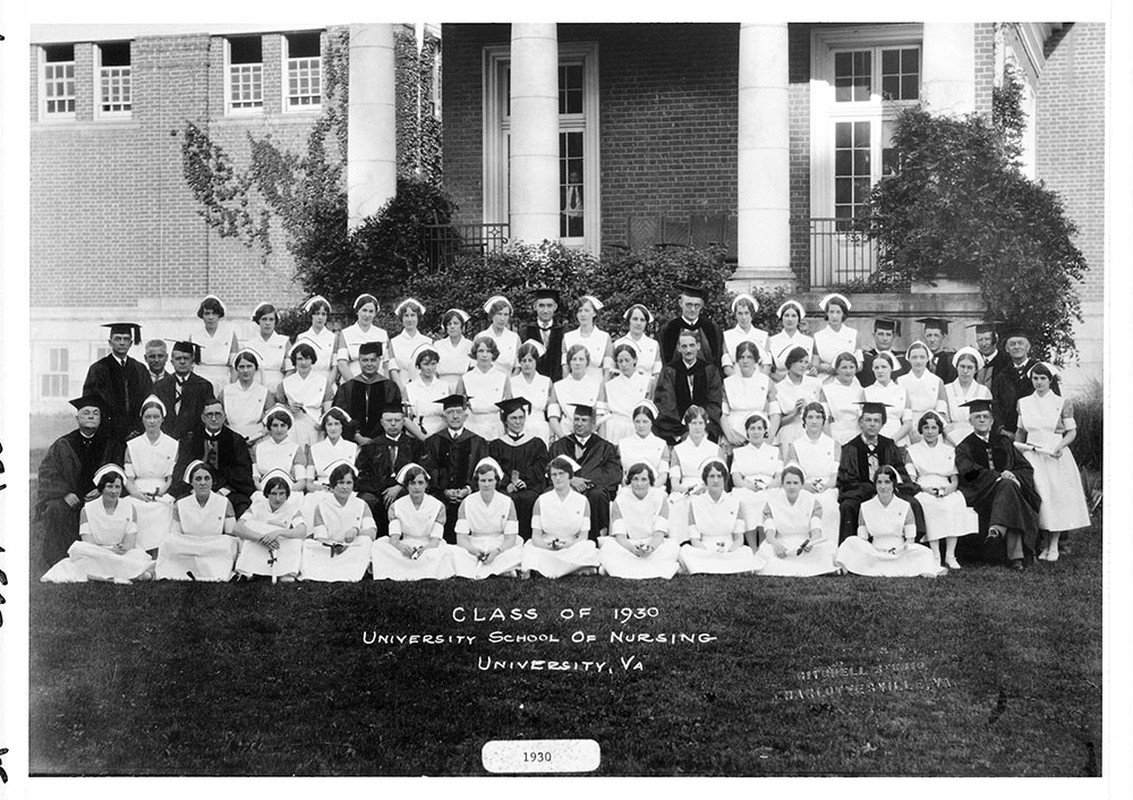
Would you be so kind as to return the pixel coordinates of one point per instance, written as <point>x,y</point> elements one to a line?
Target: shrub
<point>1089,413</point>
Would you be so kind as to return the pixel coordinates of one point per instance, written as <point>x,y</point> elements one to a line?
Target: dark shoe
<point>1016,565</point>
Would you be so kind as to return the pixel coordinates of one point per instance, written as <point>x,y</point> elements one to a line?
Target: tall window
<point>56,381</point>
<point>245,74</point>
<point>114,89</point>
<point>58,95</point>
<point>304,83</point>
<point>579,212</point>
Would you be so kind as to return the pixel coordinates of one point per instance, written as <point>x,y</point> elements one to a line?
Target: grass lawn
<point>982,672</point>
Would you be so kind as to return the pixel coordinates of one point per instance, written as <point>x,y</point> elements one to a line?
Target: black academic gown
<point>940,365</point>
<point>233,466</point>
<point>122,390</point>
<point>68,468</point>
<point>865,374</point>
<point>551,364</point>
<point>855,485</point>
<point>523,459</point>
<point>601,466</point>
<point>378,464</point>
<point>195,392</point>
<point>364,402</point>
<point>452,462</point>
<point>673,398</point>
<point>998,501</point>
<point>998,362</point>
<point>1008,384</point>
<point>709,333</point>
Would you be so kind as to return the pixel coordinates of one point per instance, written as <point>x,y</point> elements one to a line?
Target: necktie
<point>545,333</point>
<point>874,463</point>
<point>579,451</point>
<point>210,452</point>
<point>178,383</point>
<point>392,457</point>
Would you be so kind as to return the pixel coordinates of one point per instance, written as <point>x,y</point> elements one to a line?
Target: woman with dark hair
<point>744,308</point>
<point>305,392</point>
<point>684,468</point>
<point>271,348</point>
<point>200,545</point>
<point>755,474</point>
<point>715,527</point>
<point>1046,430</point>
<point>794,542</point>
<point>107,549</point>
<point>560,527</point>
<point>402,347</point>
<point>638,545</point>
<point>528,384</point>
<point>325,454</point>
<point>836,337</point>
<point>818,455</point>
<point>273,531</point>
<point>597,342</point>
<point>924,390</point>
<point>932,464</point>
<point>887,391</point>
<point>279,452</point>
<point>747,390</point>
<point>150,459</point>
<point>648,349</point>
<point>218,344</point>
<point>843,396</point>
<point>321,339</point>
<point>454,350</point>
<point>885,542</point>
<point>363,331</point>
<point>522,458</point>
<point>968,363</point>
<point>580,385</point>
<point>424,393</point>
<point>342,532</point>
<point>415,548</point>
<point>791,313</point>
<point>794,392</point>
<point>645,446</point>
<point>499,311</point>
<point>624,392</point>
<point>484,386</point>
<point>487,531</point>
<point>246,400</point>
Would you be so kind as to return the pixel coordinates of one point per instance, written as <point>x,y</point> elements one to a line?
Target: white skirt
<point>859,556</point>
<point>202,558</point>
<point>469,566</point>
<point>254,558</point>
<point>556,563</point>
<point>710,560</point>
<point>621,563</point>
<point>1059,485</point>
<point>947,516</point>
<point>218,375</point>
<point>433,563</point>
<point>819,561</point>
<point>85,561</point>
<point>752,504</point>
<point>154,516</point>
<point>350,565</point>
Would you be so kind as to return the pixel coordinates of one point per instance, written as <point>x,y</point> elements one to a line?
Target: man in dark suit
<point>601,472</point>
<point>709,335</point>
<point>686,381</point>
<point>121,383</point>
<point>861,458</point>
<point>366,397</point>
<point>157,356</point>
<point>452,454</point>
<point>1013,381</point>
<point>224,450</point>
<point>184,392</point>
<point>547,332</point>
<point>884,332</point>
<point>66,482</point>
<point>380,460</point>
<point>998,482</point>
<point>940,360</point>
<point>987,343</point>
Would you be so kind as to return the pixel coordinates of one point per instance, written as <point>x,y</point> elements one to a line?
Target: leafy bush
<point>1089,414</point>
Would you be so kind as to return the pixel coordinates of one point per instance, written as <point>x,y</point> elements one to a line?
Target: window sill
<point>86,125</point>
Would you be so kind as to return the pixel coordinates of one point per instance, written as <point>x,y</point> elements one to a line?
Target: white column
<point>949,69</point>
<point>534,186</point>
<point>371,166</point>
<point>763,186</point>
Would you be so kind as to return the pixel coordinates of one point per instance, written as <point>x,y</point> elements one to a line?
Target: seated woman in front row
<point>108,531</point>
<point>487,530</point>
<point>794,544</point>
<point>342,532</point>
<point>638,546</point>
<point>884,545</point>
<point>200,545</point>
<point>560,526</point>
<point>415,548</point>
<point>273,531</point>
<point>716,527</point>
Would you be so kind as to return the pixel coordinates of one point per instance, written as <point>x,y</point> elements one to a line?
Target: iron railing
<point>444,243</point>
<point>841,250</point>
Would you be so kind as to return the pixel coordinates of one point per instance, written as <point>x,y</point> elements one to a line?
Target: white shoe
<point>1043,555</point>
<point>952,563</point>
<point>1052,555</point>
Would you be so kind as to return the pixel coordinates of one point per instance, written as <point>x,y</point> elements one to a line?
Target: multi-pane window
<point>304,71</point>
<point>853,76</point>
<point>852,173</point>
<point>245,73</point>
<point>901,74</point>
<point>570,89</point>
<point>858,74</point>
<point>59,80</point>
<point>570,181</point>
<point>56,381</point>
<point>114,78</point>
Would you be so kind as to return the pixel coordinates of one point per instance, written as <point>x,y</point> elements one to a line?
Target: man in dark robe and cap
<point>523,459</point>
<point>380,460</point>
<point>549,333</point>
<point>66,481</point>
<point>884,332</point>
<point>940,360</point>
<point>184,392</point>
<point>367,396</point>
<point>601,467</point>
<point>1013,381</point>
<point>224,450</point>
<point>686,381</point>
<point>708,333</point>
<point>987,343</point>
<point>121,383</point>
<point>452,455</point>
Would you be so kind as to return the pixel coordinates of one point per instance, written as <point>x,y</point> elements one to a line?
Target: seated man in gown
<point>224,451</point>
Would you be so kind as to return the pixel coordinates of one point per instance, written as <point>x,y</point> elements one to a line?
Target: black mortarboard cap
<point>975,406</point>
<point>87,400</point>
<point>370,347</point>
<point>510,405</point>
<point>131,328</point>
<point>939,323</point>
<point>1009,331</point>
<point>453,401</point>
<point>984,326</point>
<point>693,290</point>
<point>871,407</point>
<point>583,409</point>
<point>192,348</point>
<point>546,293</point>
<point>886,324</point>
